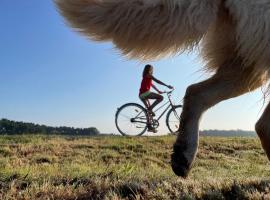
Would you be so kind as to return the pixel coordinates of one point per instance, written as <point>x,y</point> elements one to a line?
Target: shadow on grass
<point>108,188</point>
<point>135,190</point>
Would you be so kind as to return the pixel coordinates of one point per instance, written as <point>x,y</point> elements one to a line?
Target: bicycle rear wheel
<point>173,118</point>
<point>131,119</point>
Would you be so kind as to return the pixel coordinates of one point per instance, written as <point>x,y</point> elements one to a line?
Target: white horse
<point>234,36</point>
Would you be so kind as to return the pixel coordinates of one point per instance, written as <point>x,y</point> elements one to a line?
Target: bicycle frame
<point>135,119</point>
<point>167,108</point>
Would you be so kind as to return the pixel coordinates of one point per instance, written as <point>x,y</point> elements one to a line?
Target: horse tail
<point>142,29</point>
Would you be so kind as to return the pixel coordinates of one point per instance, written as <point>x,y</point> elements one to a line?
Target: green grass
<point>53,167</point>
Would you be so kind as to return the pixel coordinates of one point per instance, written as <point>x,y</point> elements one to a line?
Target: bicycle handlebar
<point>169,92</point>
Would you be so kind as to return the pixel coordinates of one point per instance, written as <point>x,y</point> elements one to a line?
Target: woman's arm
<point>161,83</point>
<point>157,89</point>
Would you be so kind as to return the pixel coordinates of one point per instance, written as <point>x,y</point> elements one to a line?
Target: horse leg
<point>228,82</point>
<point>263,130</point>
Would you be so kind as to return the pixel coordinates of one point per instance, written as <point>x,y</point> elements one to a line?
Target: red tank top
<point>145,85</point>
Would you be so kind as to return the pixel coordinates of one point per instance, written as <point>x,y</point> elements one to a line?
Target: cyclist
<point>145,94</point>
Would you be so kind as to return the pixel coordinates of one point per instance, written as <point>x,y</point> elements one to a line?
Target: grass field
<point>53,167</point>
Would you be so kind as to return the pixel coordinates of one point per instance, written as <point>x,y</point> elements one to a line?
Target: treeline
<point>227,133</point>
<point>9,127</point>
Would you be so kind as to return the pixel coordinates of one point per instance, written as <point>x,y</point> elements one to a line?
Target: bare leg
<point>159,98</point>
<point>230,81</point>
<point>147,105</point>
<point>263,130</point>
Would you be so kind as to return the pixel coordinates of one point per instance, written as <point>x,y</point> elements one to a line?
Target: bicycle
<point>131,118</point>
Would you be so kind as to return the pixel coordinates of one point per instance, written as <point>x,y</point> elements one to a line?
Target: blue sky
<point>51,75</point>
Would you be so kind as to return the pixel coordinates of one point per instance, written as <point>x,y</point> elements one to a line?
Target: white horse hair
<point>234,36</point>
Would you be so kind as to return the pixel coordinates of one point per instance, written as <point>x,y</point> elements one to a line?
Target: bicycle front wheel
<point>131,119</point>
<point>173,118</point>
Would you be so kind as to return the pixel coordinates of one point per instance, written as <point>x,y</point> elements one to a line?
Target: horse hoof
<point>179,163</point>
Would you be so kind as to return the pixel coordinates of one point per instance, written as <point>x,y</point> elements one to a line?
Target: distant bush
<point>16,128</point>
<point>227,133</point>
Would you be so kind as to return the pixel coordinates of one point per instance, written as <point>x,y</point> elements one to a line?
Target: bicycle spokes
<point>131,120</point>
<point>173,118</point>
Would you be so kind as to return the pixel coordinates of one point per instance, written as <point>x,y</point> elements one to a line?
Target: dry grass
<point>43,167</point>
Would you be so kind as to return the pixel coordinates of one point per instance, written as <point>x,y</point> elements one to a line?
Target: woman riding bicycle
<point>145,94</point>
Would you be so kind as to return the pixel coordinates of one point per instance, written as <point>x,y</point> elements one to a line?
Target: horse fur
<point>143,29</point>
<point>151,29</point>
<point>233,36</point>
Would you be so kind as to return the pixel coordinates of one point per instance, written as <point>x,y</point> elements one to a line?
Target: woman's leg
<point>159,98</point>
<point>145,102</point>
<point>147,105</point>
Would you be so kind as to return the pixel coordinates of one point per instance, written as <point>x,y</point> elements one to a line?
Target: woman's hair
<point>146,69</point>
